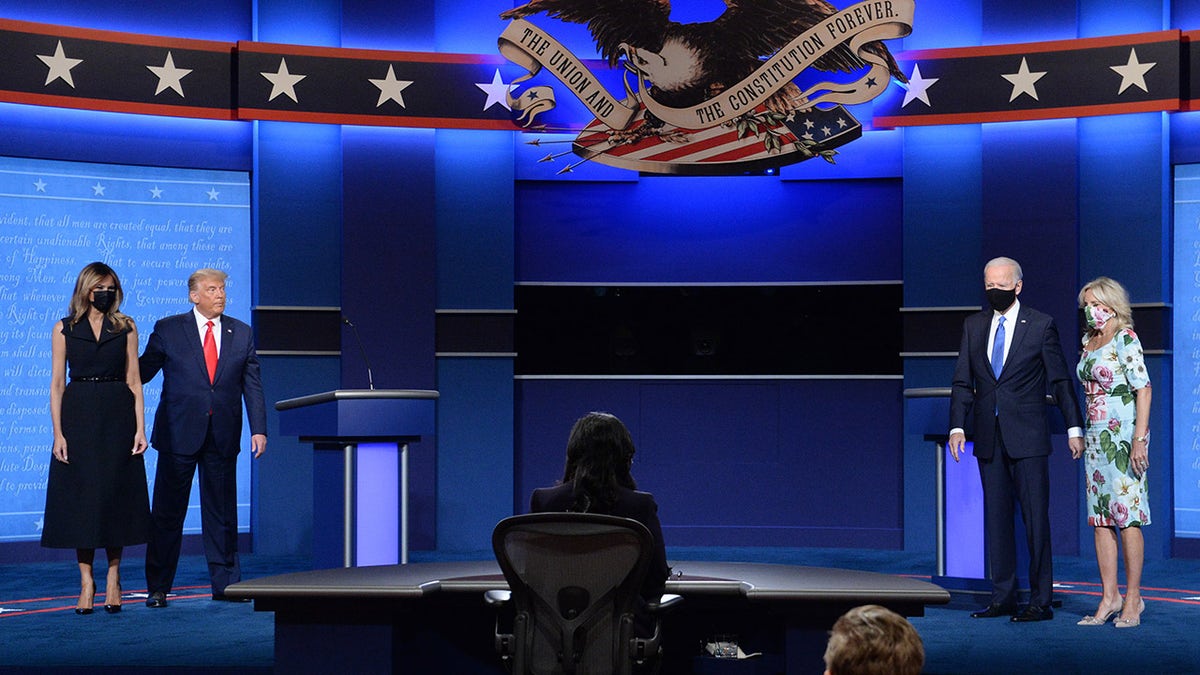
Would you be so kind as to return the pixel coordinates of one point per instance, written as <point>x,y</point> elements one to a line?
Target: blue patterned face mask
<point>1097,317</point>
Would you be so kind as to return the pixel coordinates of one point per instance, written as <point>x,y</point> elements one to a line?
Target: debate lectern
<point>360,439</point>
<point>961,548</point>
<point>961,558</point>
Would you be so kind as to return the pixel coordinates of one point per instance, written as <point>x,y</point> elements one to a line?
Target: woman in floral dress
<point>1114,378</point>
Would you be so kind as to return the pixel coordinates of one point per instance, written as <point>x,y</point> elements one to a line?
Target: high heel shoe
<point>1093,620</point>
<point>108,597</point>
<point>83,611</point>
<point>1135,621</point>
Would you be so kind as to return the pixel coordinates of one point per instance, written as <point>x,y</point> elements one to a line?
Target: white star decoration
<point>60,66</point>
<point>918,87</point>
<point>283,82</point>
<point>40,185</point>
<point>496,90</point>
<point>169,76</point>
<point>1133,73</point>
<point>390,88</point>
<point>212,194</point>
<point>97,190</point>
<point>1023,81</point>
<point>155,192</point>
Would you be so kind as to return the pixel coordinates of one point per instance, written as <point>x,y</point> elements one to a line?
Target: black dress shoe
<point>993,611</point>
<point>221,597</point>
<point>1034,613</point>
<point>83,611</point>
<point>112,609</point>
<point>156,600</point>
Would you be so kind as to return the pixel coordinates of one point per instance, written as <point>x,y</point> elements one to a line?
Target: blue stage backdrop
<point>1187,364</point>
<point>154,226</point>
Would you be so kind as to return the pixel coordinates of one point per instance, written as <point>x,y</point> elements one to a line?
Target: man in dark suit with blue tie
<point>1009,359</point>
<point>209,367</point>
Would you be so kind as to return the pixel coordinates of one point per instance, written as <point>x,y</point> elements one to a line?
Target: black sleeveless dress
<point>99,499</point>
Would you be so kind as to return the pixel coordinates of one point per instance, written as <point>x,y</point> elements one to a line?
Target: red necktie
<point>210,353</point>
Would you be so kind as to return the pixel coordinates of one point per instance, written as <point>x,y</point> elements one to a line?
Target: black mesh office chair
<point>574,581</point>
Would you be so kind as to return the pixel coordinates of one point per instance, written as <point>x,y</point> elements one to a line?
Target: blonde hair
<point>80,305</point>
<point>1112,295</point>
<point>205,273</point>
<point>874,640</point>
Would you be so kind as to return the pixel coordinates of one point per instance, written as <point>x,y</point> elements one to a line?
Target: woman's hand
<point>1139,454</point>
<point>139,443</point>
<point>60,448</point>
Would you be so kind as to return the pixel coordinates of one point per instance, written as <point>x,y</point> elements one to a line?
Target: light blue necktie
<point>998,349</point>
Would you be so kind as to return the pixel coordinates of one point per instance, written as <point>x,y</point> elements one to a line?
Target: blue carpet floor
<point>39,632</point>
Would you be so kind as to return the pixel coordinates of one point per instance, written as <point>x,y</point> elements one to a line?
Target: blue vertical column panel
<point>298,187</point>
<point>942,230</point>
<point>475,219</point>
<point>946,23</point>
<point>1014,21</point>
<point>297,183</point>
<point>469,27</point>
<point>284,517</point>
<point>1183,14</point>
<point>376,24</point>
<point>475,448</point>
<point>1125,233</point>
<point>388,280</point>
<point>1098,18</point>
<point>475,270</point>
<point>1125,209</point>
<point>942,211</point>
<point>1030,213</point>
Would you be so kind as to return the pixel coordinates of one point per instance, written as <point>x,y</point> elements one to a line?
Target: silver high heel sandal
<point>1135,621</point>
<point>1093,620</point>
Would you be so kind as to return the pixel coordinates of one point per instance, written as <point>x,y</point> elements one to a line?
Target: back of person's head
<point>599,456</point>
<point>873,640</point>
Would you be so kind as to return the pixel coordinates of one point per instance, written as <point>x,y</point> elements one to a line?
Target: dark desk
<point>431,617</point>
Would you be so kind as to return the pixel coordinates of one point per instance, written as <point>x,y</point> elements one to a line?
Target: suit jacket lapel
<point>195,342</point>
<point>226,348</point>
<point>985,328</point>
<point>1020,326</point>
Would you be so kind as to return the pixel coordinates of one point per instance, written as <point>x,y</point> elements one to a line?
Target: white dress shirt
<point>202,327</point>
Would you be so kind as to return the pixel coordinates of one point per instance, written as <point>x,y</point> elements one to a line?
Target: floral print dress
<point>1110,376</point>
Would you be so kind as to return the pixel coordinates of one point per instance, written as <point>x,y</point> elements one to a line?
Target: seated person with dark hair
<point>873,640</point>
<point>597,479</point>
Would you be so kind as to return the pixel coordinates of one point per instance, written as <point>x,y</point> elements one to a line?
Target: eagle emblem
<point>724,96</point>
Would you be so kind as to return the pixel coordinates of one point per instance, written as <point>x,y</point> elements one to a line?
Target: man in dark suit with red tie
<point>209,368</point>
<point>1009,359</point>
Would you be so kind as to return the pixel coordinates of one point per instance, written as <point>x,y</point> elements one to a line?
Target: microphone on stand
<point>361,350</point>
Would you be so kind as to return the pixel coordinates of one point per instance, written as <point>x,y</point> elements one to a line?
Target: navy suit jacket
<point>639,506</point>
<point>181,423</point>
<point>1035,366</point>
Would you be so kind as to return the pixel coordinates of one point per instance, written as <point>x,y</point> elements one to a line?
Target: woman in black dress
<point>96,496</point>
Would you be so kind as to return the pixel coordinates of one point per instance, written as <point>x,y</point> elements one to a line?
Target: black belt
<point>108,378</point>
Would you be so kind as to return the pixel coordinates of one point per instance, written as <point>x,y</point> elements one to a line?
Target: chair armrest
<point>497,598</point>
<point>665,603</point>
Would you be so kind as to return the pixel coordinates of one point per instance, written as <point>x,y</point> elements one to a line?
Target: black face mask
<point>103,300</point>
<point>1001,299</point>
